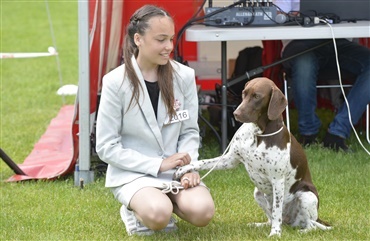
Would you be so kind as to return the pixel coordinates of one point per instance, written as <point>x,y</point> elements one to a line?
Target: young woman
<point>147,127</point>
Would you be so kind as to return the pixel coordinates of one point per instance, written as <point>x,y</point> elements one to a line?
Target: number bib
<point>180,116</point>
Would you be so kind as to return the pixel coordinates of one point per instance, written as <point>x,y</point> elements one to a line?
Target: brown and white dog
<point>274,160</point>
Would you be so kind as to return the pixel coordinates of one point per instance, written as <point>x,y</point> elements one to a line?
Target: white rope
<point>270,134</point>
<point>175,186</point>
<point>224,153</point>
<point>172,187</point>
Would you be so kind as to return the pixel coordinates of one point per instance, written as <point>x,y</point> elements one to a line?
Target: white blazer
<point>134,142</point>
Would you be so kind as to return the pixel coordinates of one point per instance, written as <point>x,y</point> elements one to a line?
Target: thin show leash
<point>174,186</point>
<point>271,134</point>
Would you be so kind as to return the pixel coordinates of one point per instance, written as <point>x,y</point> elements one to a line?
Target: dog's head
<point>262,102</point>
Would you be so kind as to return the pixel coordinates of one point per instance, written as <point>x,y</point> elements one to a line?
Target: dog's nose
<point>236,113</point>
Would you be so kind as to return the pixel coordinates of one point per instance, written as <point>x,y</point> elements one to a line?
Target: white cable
<point>341,85</point>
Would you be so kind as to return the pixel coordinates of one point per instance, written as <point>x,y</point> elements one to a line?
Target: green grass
<point>57,210</point>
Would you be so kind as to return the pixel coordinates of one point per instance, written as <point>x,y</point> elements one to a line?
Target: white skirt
<point>125,192</point>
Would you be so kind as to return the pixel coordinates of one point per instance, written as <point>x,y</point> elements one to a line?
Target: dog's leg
<point>227,161</point>
<point>303,212</point>
<point>277,207</point>
<point>262,201</point>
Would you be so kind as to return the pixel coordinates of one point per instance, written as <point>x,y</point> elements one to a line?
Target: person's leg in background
<point>303,76</point>
<point>355,59</point>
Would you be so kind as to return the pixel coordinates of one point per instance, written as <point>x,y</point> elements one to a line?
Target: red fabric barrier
<point>52,154</point>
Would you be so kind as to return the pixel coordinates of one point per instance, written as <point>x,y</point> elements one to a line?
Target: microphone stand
<point>249,74</point>
<point>11,163</point>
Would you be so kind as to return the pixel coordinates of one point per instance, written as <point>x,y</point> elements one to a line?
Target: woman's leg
<point>152,208</point>
<point>194,205</point>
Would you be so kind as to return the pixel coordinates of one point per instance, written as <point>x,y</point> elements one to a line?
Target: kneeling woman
<point>147,126</point>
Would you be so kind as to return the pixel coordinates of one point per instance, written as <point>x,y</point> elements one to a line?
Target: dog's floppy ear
<point>277,104</point>
<point>246,84</point>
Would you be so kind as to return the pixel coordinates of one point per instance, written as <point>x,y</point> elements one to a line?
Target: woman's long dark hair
<point>139,24</point>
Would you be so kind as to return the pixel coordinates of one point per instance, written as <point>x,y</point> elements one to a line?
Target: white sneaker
<point>133,226</point>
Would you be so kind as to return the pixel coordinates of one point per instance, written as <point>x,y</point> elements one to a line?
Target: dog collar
<point>271,134</point>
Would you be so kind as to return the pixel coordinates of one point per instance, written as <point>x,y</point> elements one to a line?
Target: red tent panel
<point>52,154</point>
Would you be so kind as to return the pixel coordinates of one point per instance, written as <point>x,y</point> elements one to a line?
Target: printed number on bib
<point>180,116</point>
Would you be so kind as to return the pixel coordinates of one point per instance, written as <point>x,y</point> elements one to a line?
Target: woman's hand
<point>191,179</point>
<point>176,160</point>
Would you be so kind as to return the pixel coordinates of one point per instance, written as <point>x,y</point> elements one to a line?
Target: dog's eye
<point>256,96</point>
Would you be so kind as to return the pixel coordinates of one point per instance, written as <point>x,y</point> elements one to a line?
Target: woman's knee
<point>158,218</point>
<point>203,214</point>
<point>154,214</point>
<point>199,209</point>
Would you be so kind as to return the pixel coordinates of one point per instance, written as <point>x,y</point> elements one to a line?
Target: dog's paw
<point>259,224</point>
<point>181,171</point>
<point>275,233</point>
<point>177,174</point>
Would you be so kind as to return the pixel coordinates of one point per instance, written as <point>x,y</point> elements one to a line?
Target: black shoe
<point>335,142</point>
<point>307,140</point>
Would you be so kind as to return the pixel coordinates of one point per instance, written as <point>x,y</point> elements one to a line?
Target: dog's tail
<point>322,224</point>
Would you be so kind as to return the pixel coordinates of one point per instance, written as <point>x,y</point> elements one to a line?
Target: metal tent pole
<point>83,174</point>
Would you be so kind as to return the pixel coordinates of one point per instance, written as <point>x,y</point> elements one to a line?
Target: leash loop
<point>271,134</point>
<point>172,187</point>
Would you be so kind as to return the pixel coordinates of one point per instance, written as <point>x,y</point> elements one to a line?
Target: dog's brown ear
<point>246,84</point>
<point>277,104</point>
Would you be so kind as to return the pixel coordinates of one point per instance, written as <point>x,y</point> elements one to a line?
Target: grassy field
<point>57,210</point>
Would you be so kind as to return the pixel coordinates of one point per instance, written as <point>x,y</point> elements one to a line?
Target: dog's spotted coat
<point>279,171</point>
